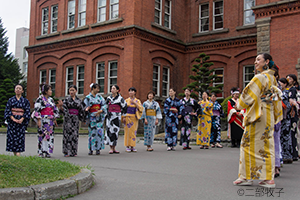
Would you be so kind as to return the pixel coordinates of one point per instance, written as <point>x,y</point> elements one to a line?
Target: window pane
<point>219,7</point>
<point>102,2</point>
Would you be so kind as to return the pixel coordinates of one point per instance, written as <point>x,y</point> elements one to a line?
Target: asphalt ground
<point>162,174</point>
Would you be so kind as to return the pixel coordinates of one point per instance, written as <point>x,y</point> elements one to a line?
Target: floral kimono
<point>262,100</point>
<point>96,130</point>
<point>171,121</point>
<point>188,106</point>
<point>151,113</point>
<point>116,107</point>
<point>204,123</point>
<point>133,114</point>
<point>45,109</point>
<point>285,136</point>
<point>15,141</point>
<point>216,123</point>
<point>73,111</point>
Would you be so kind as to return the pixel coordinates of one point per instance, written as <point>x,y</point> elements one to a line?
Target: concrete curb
<point>54,190</point>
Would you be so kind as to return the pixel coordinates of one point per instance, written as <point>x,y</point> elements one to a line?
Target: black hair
<point>95,85</point>
<point>116,86</point>
<point>132,89</point>
<point>206,93</point>
<point>272,65</point>
<point>72,86</point>
<point>151,92</point>
<point>233,89</point>
<point>213,93</point>
<point>45,88</point>
<point>19,85</point>
<point>283,80</point>
<point>172,89</point>
<point>266,56</point>
<point>294,77</point>
<point>188,89</point>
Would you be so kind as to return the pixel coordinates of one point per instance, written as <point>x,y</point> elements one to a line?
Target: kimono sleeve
<point>103,106</point>
<point>55,109</point>
<point>139,110</point>
<point>144,111</point>
<point>158,111</point>
<point>7,112</point>
<point>167,107</point>
<point>123,105</point>
<point>81,111</point>
<point>230,112</point>
<point>37,109</point>
<point>181,108</point>
<point>65,110</point>
<point>26,112</point>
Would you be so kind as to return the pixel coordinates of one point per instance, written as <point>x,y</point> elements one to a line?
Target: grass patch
<point>25,171</point>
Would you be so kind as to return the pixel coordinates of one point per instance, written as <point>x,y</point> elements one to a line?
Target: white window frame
<point>46,21</point>
<point>200,18</point>
<point>100,78</point>
<point>109,76</point>
<point>167,82</point>
<point>103,7</point>
<point>50,82</point>
<point>111,4</point>
<point>245,10</point>
<point>25,68</point>
<point>214,15</point>
<point>159,10</point>
<point>156,80</point>
<point>79,80</point>
<point>80,12</point>
<point>67,80</point>
<point>215,84</point>
<point>168,14</point>
<point>72,14</point>
<point>41,78</point>
<point>244,74</point>
<point>53,19</point>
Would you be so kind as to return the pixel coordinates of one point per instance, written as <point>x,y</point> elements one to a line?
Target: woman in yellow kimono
<point>204,122</point>
<point>262,100</point>
<point>131,120</point>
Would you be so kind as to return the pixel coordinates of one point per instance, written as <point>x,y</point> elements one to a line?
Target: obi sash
<point>47,111</point>
<point>131,110</point>
<point>95,108</point>
<point>73,111</point>
<point>17,111</point>
<point>151,112</point>
<point>114,108</point>
<point>216,113</point>
<point>172,110</point>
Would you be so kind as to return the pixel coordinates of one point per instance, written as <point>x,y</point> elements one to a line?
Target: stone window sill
<point>47,36</point>
<point>240,28</point>
<point>112,21</point>
<point>225,30</point>
<point>163,28</point>
<point>71,30</point>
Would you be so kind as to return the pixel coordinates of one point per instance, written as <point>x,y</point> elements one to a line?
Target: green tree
<point>6,92</point>
<point>9,67</point>
<point>203,77</point>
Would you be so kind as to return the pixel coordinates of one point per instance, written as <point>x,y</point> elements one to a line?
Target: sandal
<point>111,152</point>
<point>206,147</point>
<point>66,155</point>
<point>41,155</point>
<point>90,152</point>
<point>201,147</point>
<point>267,184</point>
<point>128,150</point>
<point>47,155</point>
<point>218,145</point>
<point>116,152</point>
<point>150,149</point>
<point>212,146</point>
<point>242,182</point>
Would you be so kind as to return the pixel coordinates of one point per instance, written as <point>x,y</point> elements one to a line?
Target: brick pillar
<point>263,35</point>
<point>298,69</point>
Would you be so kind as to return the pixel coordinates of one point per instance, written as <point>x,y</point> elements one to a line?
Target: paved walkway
<point>194,174</point>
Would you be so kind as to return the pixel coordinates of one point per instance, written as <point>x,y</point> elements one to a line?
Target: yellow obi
<point>150,112</point>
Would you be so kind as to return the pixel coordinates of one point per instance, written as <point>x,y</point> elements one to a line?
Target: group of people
<point>263,121</point>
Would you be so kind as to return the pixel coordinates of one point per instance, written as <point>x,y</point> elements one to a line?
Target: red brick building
<point>151,44</point>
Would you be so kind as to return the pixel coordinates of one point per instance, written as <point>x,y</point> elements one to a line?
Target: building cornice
<point>121,32</point>
<point>276,8</point>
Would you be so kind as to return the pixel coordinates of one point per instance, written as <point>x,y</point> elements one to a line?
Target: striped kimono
<point>262,100</point>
